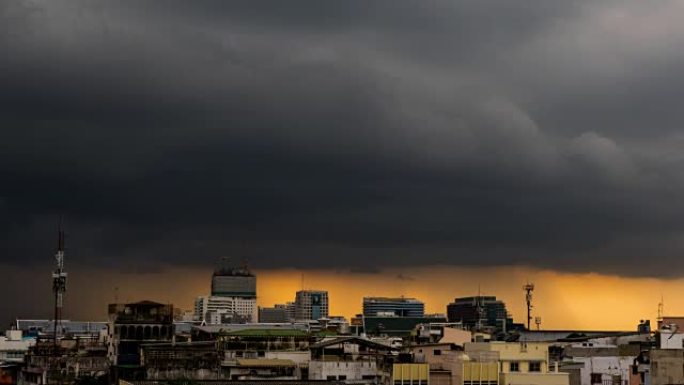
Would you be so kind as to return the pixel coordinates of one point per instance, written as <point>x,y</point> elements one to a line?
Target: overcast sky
<point>345,135</point>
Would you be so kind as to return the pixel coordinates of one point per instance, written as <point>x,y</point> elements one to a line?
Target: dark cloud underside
<point>345,135</point>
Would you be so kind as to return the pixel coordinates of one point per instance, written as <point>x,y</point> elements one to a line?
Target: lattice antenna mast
<point>59,280</point>
<point>528,298</point>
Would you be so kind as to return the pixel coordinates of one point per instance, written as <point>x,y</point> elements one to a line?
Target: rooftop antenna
<point>479,308</point>
<point>59,280</point>
<point>528,288</point>
<point>661,309</point>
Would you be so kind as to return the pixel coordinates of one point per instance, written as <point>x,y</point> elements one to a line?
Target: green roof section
<point>326,333</point>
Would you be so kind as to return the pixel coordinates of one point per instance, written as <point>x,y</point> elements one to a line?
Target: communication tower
<point>59,280</point>
<point>528,288</point>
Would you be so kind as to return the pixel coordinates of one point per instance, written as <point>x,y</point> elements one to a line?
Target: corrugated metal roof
<point>252,362</point>
<point>267,333</point>
<point>351,339</point>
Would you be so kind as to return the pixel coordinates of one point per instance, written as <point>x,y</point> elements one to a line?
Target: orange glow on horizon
<point>563,300</point>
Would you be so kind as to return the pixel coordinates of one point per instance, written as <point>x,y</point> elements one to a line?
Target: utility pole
<point>528,298</point>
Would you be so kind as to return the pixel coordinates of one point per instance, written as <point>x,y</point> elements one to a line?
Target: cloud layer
<point>344,135</point>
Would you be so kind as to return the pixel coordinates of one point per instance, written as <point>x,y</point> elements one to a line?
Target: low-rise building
<point>130,326</point>
<point>519,363</point>
<point>254,354</point>
<point>42,327</point>
<point>449,332</point>
<point>444,359</point>
<point>65,362</point>
<point>188,360</point>
<point>667,366</point>
<point>410,374</point>
<point>13,346</point>
<point>350,359</point>
<point>590,363</point>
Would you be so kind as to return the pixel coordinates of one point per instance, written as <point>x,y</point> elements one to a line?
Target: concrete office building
<point>400,307</point>
<point>276,314</point>
<point>232,299</point>
<point>311,305</point>
<point>233,282</point>
<point>480,311</point>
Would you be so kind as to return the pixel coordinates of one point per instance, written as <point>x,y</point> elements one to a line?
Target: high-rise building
<point>311,305</point>
<point>480,311</point>
<point>233,282</point>
<point>218,310</point>
<point>233,297</point>
<point>400,307</point>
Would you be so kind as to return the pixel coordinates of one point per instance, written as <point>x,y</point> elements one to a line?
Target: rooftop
<point>391,299</point>
<point>265,362</point>
<point>351,339</point>
<point>267,333</point>
<point>232,271</point>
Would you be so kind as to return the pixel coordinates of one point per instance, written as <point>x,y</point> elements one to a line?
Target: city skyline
<point>564,301</point>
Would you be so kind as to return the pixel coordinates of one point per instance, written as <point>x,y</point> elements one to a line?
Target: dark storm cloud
<point>347,135</point>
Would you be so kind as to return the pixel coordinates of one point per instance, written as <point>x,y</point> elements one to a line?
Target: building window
<point>596,378</point>
<point>514,366</point>
<point>535,366</point>
<point>437,352</point>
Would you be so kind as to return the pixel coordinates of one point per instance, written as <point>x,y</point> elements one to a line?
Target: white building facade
<point>214,309</point>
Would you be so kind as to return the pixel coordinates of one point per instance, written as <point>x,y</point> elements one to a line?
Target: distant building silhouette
<point>480,312</point>
<point>230,281</point>
<point>311,305</point>
<point>233,296</point>
<point>400,307</point>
